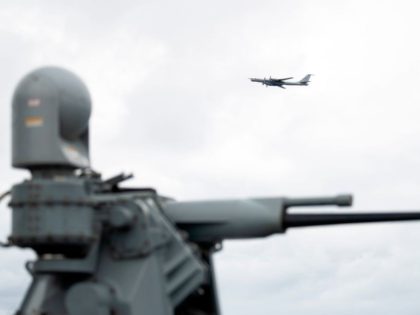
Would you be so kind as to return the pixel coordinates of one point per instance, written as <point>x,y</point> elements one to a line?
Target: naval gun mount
<point>106,250</point>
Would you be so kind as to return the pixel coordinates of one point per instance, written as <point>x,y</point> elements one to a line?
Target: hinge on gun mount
<point>113,182</point>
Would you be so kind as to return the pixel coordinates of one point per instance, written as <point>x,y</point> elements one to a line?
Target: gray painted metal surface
<point>106,250</point>
<point>51,110</point>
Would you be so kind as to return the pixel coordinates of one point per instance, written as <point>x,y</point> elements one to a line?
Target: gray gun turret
<point>102,249</point>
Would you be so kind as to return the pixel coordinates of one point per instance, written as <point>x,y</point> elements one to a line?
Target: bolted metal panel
<point>52,216</point>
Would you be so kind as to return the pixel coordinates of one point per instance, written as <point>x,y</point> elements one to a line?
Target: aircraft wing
<point>280,80</point>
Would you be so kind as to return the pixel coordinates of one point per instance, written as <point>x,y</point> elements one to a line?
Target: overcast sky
<point>173,104</point>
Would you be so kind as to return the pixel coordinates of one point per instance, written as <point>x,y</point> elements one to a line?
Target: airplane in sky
<point>282,82</point>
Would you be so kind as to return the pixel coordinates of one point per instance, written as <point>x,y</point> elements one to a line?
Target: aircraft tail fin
<point>305,80</point>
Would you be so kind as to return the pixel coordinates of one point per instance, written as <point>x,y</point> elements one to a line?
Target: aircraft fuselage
<point>282,82</point>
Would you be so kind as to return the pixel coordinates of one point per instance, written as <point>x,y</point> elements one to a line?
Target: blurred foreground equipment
<point>106,250</point>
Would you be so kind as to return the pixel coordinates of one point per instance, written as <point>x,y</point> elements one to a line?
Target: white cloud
<point>173,104</point>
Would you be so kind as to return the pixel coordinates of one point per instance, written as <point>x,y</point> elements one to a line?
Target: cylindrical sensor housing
<point>51,111</point>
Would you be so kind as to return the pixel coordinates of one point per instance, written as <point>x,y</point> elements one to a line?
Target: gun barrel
<point>305,219</point>
<point>209,221</point>
<point>340,200</point>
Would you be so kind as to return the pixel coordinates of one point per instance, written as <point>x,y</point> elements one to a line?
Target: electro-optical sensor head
<point>51,111</point>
